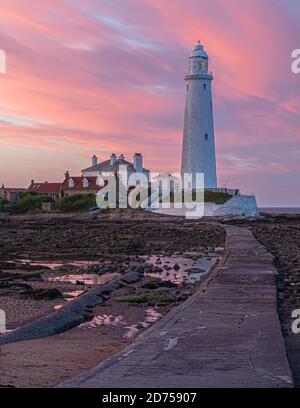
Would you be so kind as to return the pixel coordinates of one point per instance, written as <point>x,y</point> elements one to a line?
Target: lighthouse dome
<point>199,51</point>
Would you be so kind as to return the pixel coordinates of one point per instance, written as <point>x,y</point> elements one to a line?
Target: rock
<point>79,283</point>
<point>183,296</point>
<point>167,284</point>
<point>14,289</point>
<point>194,270</point>
<point>131,277</point>
<point>14,286</point>
<point>150,285</point>
<point>43,294</point>
<point>140,270</point>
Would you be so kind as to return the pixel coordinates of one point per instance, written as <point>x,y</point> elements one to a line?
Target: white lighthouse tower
<point>198,148</point>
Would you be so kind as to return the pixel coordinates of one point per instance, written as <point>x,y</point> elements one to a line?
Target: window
<point>187,87</point>
<point>85,183</point>
<point>206,136</point>
<point>71,183</point>
<point>204,87</point>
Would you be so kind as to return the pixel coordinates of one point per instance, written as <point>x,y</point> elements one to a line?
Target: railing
<point>209,73</point>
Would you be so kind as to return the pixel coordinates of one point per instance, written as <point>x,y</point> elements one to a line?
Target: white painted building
<point>198,148</point>
<point>136,173</point>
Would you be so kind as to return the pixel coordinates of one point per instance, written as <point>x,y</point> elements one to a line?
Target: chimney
<point>46,182</point>
<point>113,158</point>
<point>32,181</point>
<point>122,157</point>
<point>138,162</point>
<point>67,175</point>
<point>94,160</point>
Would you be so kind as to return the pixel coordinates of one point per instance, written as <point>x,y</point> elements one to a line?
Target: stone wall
<point>241,205</point>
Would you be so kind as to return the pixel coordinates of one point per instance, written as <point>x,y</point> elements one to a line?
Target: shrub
<point>77,202</point>
<point>214,197</point>
<point>209,197</point>
<point>28,193</point>
<point>31,202</point>
<point>3,201</point>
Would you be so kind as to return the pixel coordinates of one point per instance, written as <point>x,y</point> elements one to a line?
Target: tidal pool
<point>187,269</point>
<point>84,278</point>
<point>151,316</point>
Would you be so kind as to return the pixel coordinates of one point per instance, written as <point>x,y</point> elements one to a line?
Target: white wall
<point>241,205</point>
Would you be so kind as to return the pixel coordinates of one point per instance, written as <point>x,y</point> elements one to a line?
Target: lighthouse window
<point>206,136</point>
<point>187,87</point>
<point>204,86</point>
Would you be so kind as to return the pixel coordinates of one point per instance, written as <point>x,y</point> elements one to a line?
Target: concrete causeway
<point>226,335</point>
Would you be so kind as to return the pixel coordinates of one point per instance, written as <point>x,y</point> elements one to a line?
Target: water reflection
<point>70,295</point>
<point>179,269</point>
<point>56,265</point>
<point>151,316</point>
<point>84,278</point>
<point>104,320</point>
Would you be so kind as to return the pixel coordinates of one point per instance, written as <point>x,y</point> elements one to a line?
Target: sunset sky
<point>100,76</point>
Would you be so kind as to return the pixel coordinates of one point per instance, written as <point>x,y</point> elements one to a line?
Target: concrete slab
<point>226,335</point>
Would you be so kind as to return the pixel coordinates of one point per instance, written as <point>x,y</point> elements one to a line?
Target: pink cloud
<point>108,76</point>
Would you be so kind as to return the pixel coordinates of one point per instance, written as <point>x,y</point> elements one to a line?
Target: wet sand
<point>105,247</point>
<point>49,361</point>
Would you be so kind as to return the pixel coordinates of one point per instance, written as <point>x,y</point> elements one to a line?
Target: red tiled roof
<point>45,188</point>
<point>78,183</point>
<point>12,189</point>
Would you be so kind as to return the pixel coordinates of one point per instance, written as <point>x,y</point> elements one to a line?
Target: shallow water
<point>84,278</point>
<point>152,315</point>
<point>189,271</point>
<point>101,320</point>
<point>191,267</point>
<point>55,265</point>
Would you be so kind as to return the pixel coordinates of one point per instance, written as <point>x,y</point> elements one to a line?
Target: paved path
<point>226,335</point>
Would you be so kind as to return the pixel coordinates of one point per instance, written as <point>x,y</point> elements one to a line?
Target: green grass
<point>209,197</point>
<point>77,202</point>
<point>31,202</point>
<point>217,198</point>
<point>151,299</point>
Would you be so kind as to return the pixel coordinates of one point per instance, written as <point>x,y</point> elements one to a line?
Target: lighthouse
<point>198,148</point>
